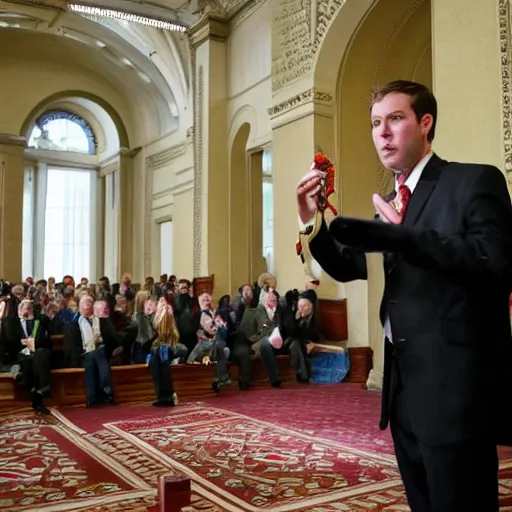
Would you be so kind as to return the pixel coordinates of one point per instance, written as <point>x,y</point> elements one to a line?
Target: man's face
<point>100,309</point>
<point>305,307</point>
<point>399,138</point>
<point>247,292</point>
<point>149,307</point>
<point>183,288</point>
<point>271,300</point>
<point>206,301</point>
<point>85,306</point>
<point>26,311</point>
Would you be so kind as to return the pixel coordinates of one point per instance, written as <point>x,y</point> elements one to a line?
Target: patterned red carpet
<point>308,448</point>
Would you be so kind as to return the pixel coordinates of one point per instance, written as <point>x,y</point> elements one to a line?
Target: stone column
<point>11,205</point>
<point>127,196</point>
<point>211,172</point>
<point>471,97</point>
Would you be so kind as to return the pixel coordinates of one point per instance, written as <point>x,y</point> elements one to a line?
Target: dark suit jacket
<point>12,334</point>
<point>73,350</point>
<point>447,286</point>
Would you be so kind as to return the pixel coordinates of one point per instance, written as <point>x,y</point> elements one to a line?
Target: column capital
<point>8,139</point>
<point>209,27</point>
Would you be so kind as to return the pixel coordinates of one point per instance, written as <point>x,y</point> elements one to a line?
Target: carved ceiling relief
<point>299,27</point>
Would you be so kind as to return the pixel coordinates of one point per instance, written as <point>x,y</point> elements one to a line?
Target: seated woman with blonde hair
<point>164,350</point>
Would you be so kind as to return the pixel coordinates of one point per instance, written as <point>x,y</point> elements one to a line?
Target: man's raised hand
<point>307,191</point>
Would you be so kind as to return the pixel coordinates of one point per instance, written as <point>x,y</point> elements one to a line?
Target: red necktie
<point>403,194</point>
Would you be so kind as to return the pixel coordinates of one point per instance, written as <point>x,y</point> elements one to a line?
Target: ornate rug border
<point>214,493</point>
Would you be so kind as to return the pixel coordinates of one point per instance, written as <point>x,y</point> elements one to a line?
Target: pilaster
<point>211,172</point>
<point>11,205</point>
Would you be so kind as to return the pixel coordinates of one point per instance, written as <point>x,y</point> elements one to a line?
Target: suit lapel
<point>423,190</point>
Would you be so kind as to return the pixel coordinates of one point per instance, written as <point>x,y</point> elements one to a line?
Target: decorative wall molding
<point>505,27</point>
<point>299,27</point>
<point>198,167</point>
<point>222,8</point>
<point>148,206</point>
<point>303,98</point>
<point>153,162</point>
<point>246,11</point>
<point>326,11</point>
<point>210,27</point>
<point>166,156</point>
<point>8,139</point>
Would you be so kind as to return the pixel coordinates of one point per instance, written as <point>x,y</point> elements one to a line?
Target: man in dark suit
<point>28,339</point>
<point>447,247</point>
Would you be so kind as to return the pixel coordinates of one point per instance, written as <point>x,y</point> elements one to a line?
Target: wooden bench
<point>133,383</point>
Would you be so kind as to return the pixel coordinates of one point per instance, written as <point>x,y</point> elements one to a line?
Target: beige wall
<point>468,79</point>
<point>27,83</point>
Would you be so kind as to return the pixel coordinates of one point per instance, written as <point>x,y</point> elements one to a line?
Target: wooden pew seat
<point>133,383</point>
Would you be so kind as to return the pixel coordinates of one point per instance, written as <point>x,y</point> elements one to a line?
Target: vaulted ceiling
<point>148,65</point>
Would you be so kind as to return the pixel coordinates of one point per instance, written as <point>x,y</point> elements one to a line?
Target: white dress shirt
<point>411,182</point>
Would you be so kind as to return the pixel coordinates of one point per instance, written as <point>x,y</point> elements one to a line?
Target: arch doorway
<point>392,40</point>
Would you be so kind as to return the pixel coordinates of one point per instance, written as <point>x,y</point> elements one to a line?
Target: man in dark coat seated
<point>187,314</point>
<point>304,331</point>
<point>90,342</point>
<point>27,337</point>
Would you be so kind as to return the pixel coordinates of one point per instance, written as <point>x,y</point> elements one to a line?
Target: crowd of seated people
<point>160,324</point>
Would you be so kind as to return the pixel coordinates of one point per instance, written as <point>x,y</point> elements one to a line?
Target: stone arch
<point>244,115</point>
<point>28,124</point>
<point>368,43</point>
<point>239,208</point>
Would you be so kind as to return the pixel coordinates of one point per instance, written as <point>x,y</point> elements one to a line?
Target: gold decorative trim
<point>164,157</point>
<point>326,11</point>
<point>303,98</point>
<point>209,27</point>
<point>148,207</point>
<point>198,169</point>
<point>315,17</point>
<point>505,26</point>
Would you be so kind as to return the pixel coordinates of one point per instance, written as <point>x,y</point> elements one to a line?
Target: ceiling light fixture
<point>124,16</point>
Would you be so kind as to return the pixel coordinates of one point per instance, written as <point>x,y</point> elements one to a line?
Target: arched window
<point>63,131</point>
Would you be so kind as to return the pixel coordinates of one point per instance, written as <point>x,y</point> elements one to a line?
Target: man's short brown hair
<point>422,100</point>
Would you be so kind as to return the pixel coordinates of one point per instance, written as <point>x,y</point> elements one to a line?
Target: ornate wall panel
<point>198,169</point>
<point>298,29</point>
<point>506,93</point>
